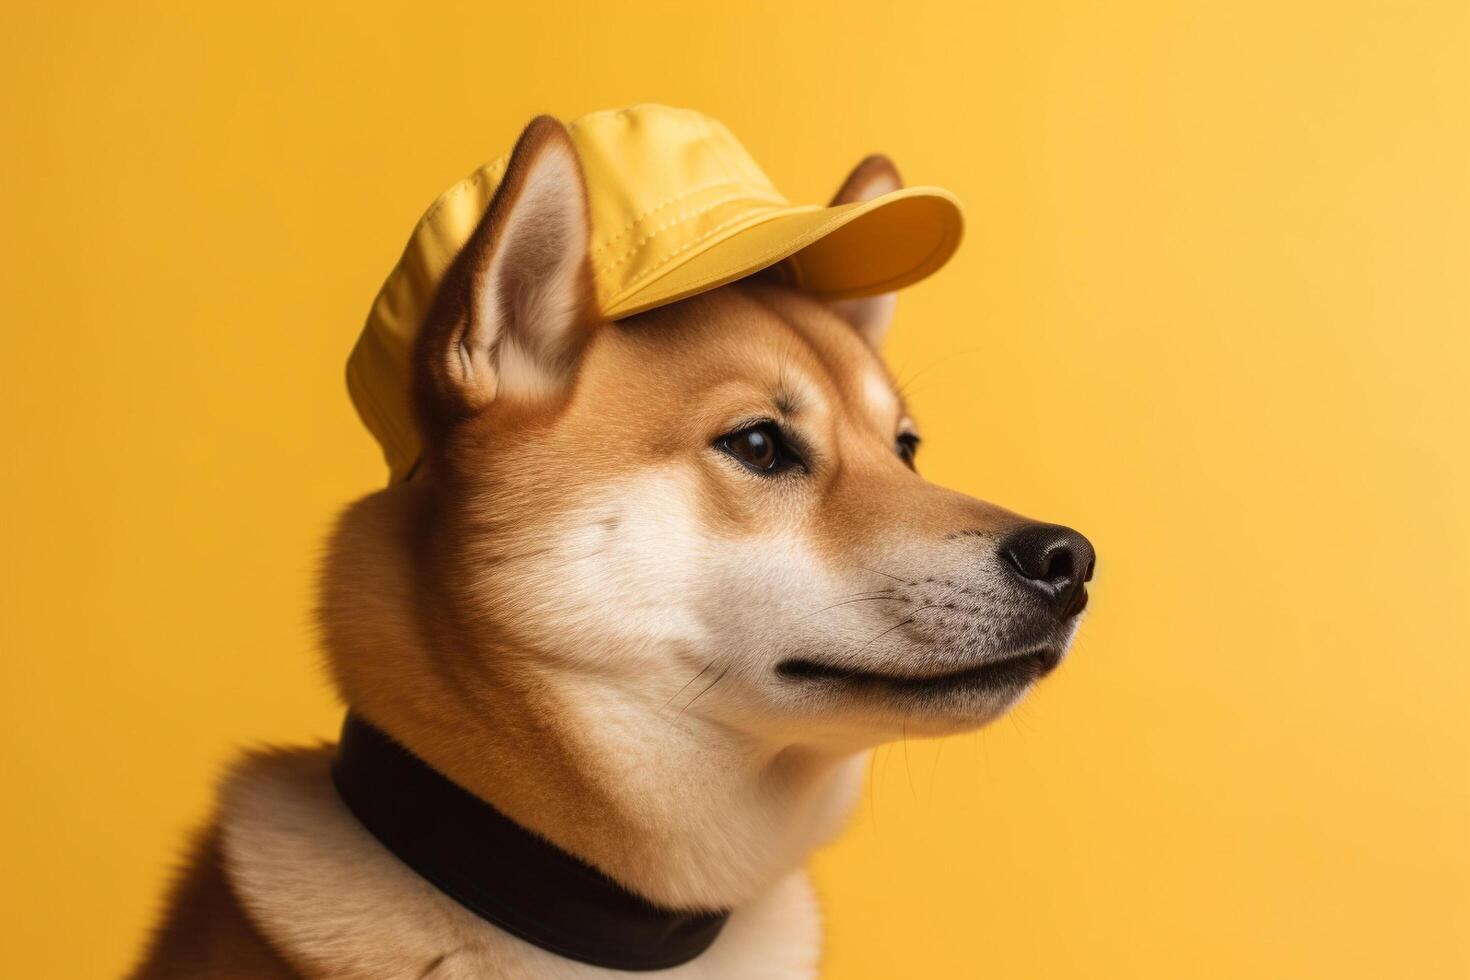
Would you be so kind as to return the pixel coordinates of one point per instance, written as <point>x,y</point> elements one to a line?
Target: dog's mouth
<point>1001,675</point>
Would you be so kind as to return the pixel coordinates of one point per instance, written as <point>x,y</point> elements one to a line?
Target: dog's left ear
<point>871,315</point>
<point>519,306</point>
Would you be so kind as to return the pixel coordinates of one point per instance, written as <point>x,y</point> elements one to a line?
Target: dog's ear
<point>519,304</point>
<point>871,315</point>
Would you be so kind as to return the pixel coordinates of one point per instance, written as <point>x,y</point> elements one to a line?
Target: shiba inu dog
<point>658,587</point>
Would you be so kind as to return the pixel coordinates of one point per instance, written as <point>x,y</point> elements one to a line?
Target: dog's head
<point>712,506</point>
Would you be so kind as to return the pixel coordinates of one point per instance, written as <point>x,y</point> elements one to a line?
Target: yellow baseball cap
<point>678,207</point>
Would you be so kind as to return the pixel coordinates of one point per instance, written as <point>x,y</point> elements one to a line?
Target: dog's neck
<point>687,812</point>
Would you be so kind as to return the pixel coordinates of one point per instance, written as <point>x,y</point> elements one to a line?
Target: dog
<point>658,588</point>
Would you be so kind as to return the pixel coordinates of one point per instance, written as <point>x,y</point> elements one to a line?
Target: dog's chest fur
<point>335,903</point>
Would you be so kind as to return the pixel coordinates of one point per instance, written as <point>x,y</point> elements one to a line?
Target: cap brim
<point>839,252</point>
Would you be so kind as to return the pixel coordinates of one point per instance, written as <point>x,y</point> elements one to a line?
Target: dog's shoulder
<point>320,887</point>
<point>334,900</point>
<point>204,930</point>
<point>331,898</point>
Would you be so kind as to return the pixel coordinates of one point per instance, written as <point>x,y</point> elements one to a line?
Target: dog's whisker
<point>865,592</point>
<point>885,575</point>
<point>848,602</point>
<point>884,633</point>
<point>934,773</point>
<point>904,385</point>
<point>907,767</point>
<point>873,788</point>
<point>681,690</point>
<point>702,693</point>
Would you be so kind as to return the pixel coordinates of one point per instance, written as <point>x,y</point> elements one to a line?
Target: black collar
<point>502,872</point>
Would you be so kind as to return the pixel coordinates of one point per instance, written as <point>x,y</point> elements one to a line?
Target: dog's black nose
<point>1055,561</point>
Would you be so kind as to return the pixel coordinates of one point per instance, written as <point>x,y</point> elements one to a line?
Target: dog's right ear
<point>871,315</point>
<point>519,304</point>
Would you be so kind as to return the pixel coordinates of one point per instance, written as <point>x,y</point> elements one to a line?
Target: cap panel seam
<point>453,193</point>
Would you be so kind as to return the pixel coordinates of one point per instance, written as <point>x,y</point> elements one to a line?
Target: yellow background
<point>1212,309</point>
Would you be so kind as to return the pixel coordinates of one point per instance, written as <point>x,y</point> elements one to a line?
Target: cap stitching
<point>681,219</point>
<point>688,245</point>
<point>654,210</point>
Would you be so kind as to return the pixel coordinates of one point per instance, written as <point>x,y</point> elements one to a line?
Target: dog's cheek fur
<point>637,587</point>
<point>639,592</point>
<point>607,590</point>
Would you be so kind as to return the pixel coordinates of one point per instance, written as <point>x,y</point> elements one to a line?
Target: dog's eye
<point>907,445</point>
<point>760,447</point>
